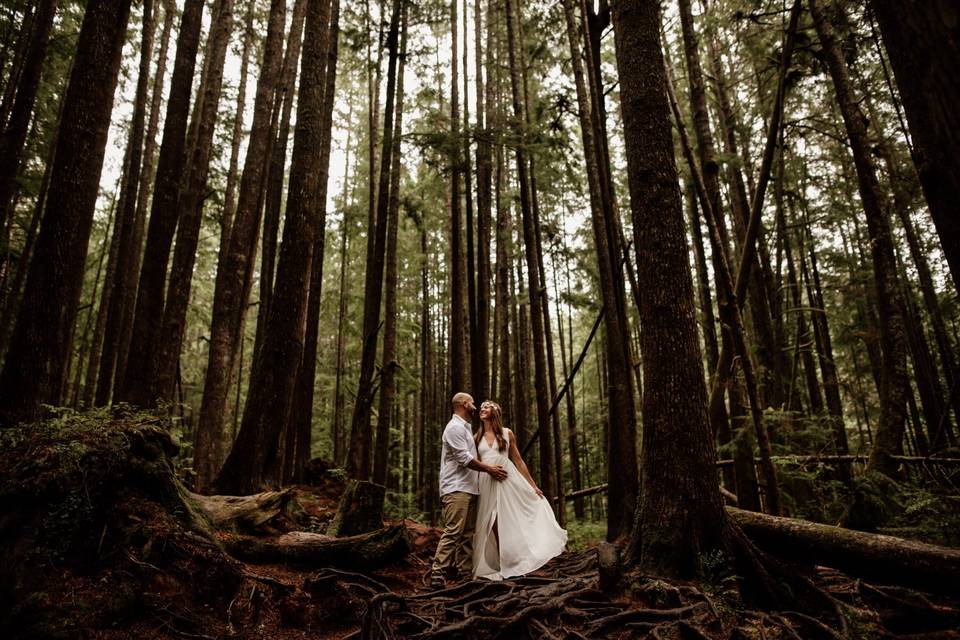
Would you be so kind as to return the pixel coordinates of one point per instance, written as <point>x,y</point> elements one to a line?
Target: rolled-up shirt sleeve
<point>458,443</point>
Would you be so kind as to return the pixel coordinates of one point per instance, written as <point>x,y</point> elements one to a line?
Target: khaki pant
<point>455,549</point>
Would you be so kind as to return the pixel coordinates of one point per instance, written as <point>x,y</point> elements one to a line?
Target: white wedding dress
<point>528,531</point>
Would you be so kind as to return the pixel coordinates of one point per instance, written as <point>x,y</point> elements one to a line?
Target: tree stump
<point>360,510</point>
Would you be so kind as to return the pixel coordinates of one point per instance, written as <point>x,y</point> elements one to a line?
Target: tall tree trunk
<point>521,347</point>
<point>339,402</point>
<point>547,470</point>
<point>828,367</point>
<point>13,299</point>
<point>761,276</point>
<point>21,48</point>
<point>119,327</point>
<point>86,345</point>
<point>679,515</point>
<point>299,429</point>
<point>927,290</point>
<point>481,347</point>
<point>134,380</point>
<point>34,369</point>
<point>804,338</point>
<point>233,282</point>
<point>707,317</point>
<point>236,137</point>
<point>470,272</point>
<point>894,382</point>
<point>15,129</point>
<point>283,110</point>
<point>551,459</point>
<point>921,40</point>
<point>502,287</point>
<point>459,364</point>
<point>127,215</point>
<point>360,452</point>
<point>252,462</point>
<point>192,197</point>
<point>734,339</point>
<point>622,452</point>
<point>388,361</point>
<point>426,459</point>
<point>573,445</point>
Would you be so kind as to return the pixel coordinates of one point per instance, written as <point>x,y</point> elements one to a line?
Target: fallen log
<point>879,558</point>
<point>850,459</point>
<point>258,513</point>
<point>362,552</point>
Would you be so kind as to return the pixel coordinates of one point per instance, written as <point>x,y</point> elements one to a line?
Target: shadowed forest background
<point>705,255</point>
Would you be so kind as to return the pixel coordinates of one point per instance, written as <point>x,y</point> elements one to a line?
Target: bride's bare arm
<point>520,464</point>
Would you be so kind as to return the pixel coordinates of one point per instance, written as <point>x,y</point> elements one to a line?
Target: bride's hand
<point>539,493</point>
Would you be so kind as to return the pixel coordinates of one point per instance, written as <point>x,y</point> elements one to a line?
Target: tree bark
<point>679,516</point>
<point>236,137</point>
<point>547,477</point>
<point>924,50</point>
<point>828,368</point>
<point>233,281</point>
<point>35,365</point>
<point>166,358</point>
<point>119,328</point>
<point>339,402</point>
<point>388,361</point>
<point>732,324</point>
<point>15,129</point>
<point>252,463</point>
<point>894,383</point>
<point>134,381</point>
<point>283,109</point>
<point>939,436</point>
<point>471,248</point>
<point>459,363</point>
<point>127,215</point>
<point>481,348</point>
<point>869,556</point>
<point>622,452</point>
<point>359,453</point>
<point>299,430</point>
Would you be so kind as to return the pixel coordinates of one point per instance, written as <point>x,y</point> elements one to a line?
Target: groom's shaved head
<point>461,399</point>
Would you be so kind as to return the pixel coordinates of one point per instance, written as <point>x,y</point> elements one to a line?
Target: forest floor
<point>101,540</point>
<point>561,600</point>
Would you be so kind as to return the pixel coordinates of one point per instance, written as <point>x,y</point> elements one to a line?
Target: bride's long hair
<point>496,419</point>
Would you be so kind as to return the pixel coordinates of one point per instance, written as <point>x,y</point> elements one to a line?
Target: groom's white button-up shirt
<point>459,449</point>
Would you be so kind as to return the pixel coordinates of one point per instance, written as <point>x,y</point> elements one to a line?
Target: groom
<point>459,488</point>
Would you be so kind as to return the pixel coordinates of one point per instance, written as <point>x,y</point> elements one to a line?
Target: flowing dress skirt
<point>528,531</point>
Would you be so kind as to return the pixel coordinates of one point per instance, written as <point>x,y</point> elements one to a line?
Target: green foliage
<point>930,513</point>
<point>585,534</point>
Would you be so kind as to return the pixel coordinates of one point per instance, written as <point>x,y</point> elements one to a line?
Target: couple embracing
<point>497,523</point>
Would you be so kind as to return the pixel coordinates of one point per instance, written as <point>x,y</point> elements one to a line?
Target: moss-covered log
<point>362,552</point>
<point>880,558</point>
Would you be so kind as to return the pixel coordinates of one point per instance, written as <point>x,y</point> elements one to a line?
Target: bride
<point>516,531</point>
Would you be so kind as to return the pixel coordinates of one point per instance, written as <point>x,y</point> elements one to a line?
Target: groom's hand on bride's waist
<point>498,472</point>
